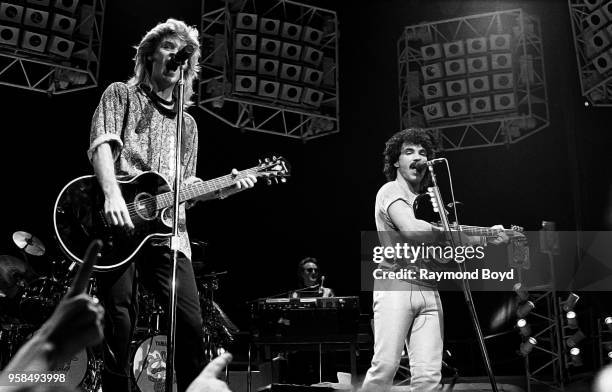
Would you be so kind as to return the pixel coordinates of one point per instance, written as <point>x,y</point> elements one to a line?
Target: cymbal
<point>28,243</point>
<point>213,274</point>
<point>14,275</point>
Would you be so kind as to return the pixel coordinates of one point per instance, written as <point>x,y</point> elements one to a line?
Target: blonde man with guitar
<point>133,132</point>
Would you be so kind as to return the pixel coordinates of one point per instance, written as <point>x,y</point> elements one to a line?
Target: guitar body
<point>78,218</point>
<point>78,215</point>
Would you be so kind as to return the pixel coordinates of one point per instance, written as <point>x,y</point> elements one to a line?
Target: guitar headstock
<point>517,233</point>
<point>275,169</point>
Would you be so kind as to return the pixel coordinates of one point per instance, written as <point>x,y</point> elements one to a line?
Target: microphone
<point>321,284</point>
<point>422,165</point>
<point>180,57</point>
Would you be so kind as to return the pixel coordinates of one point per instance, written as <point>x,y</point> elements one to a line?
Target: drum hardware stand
<point>435,190</point>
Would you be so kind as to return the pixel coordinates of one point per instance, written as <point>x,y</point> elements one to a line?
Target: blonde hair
<point>147,46</point>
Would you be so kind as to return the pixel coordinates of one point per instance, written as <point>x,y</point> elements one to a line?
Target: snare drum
<point>149,365</point>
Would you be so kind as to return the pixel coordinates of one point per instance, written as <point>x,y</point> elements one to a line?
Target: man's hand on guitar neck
<point>240,184</point>
<point>502,237</point>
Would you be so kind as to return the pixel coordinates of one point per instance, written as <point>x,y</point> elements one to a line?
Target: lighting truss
<point>47,74</point>
<point>473,131</point>
<point>544,365</point>
<point>596,86</point>
<point>249,112</point>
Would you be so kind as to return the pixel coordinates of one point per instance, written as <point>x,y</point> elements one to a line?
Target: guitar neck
<point>484,231</point>
<point>203,188</point>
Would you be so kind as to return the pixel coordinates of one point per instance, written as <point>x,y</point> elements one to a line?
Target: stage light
<point>431,52</point>
<point>575,358</point>
<point>11,12</point>
<point>570,302</point>
<point>576,338</point>
<point>524,309</point>
<point>291,93</point>
<point>607,349</point>
<point>476,45</point>
<point>290,72</point>
<point>434,111</point>
<point>246,62</point>
<point>503,81</point>
<point>608,323</point>
<point>245,84</point>
<point>268,67</point>
<point>453,49</point>
<point>455,67</point>
<point>504,101</point>
<point>501,61</point>
<point>571,319</point>
<point>477,64</point>
<point>291,51</point>
<point>66,5</point>
<point>268,89</point>
<point>61,47</point>
<point>456,87</point>
<point>269,26</point>
<point>479,84</point>
<point>312,76</point>
<point>433,90</point>
<point>480,105</point>
<point>527,346</point>
<point>432,71</point>
<point>520,291</point>
<point>9,35</point>
<point>246,21</point>
<point>270,47</point>
<point>291,31</point>
<point>246,42</point>
<point>312,36</point>
<point>523,327</point>
<point>312,56</point>
<point>34,41</point>
<point>499,41</point>
<point>457,108</point>
<point>312,97</point>
<point>63,24</point>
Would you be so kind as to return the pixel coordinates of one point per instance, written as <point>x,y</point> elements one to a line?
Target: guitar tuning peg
<point>259,161</point>
<point>436,209</point>
<point>267,160</point>
<point>273,157</point>
<point>283,180</point>
<point>268,181</point>
<point>275,180</point>
<point>429,189</point>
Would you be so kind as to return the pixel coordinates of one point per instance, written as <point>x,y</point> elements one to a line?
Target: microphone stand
<point>465,284</point>
<point>175,240</point>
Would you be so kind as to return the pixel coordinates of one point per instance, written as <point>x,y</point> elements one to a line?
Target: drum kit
<point>31,286</point>
<point>30,289</point>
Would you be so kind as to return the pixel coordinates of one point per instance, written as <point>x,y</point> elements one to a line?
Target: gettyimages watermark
<point>575,260</point>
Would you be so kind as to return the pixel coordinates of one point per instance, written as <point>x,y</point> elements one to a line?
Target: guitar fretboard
<point>192,191</point>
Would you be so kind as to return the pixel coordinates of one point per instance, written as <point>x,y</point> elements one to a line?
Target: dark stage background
<point>560,174</point>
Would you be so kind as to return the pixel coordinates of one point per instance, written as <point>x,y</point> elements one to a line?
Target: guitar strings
<point>191,190</point>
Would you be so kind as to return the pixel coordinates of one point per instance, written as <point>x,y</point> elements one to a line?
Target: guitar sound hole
<point>145,207</point>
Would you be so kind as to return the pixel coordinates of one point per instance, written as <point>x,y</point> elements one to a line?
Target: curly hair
<point>147,46</point>
<point>393,148</point>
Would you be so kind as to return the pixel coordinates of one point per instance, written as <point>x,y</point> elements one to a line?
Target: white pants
<point>410,311</point>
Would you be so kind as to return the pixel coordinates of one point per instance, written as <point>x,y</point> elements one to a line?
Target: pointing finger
<point>84,273</point>
<point>216,366</point>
